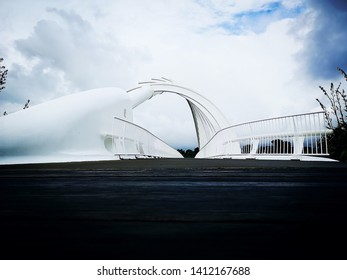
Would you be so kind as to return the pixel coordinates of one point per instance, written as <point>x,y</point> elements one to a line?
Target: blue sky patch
<point>257,20</point>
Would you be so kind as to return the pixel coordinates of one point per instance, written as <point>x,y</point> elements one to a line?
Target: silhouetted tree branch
<point>26,105</point>
<point>335,114</point>
<point>3,75</point>
<point>189,153</point>
<point>336,118</point>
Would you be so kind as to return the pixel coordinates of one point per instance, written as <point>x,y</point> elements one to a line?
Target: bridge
<point>301,136</point>
<point>98,125</point>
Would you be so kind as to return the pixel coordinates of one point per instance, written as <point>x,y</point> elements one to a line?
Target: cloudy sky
<point>253,58</point>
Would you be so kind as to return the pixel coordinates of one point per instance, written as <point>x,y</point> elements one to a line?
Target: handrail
<point>301,130</point>
<point>129,138</point>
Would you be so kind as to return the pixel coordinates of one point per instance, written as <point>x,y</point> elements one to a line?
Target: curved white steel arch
<point>208,120</point>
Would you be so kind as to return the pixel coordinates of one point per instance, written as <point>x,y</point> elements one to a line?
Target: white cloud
<point>252,73</point>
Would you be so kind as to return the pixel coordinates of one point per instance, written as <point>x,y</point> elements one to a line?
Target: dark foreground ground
<point>174,209</point>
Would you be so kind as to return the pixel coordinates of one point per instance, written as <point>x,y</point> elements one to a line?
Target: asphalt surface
<point>174,209</point>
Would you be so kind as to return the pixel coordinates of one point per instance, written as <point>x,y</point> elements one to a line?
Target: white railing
<point>131,140</point>
<point>304,134</point>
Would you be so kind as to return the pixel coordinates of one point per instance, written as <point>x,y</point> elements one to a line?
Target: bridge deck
<point>174,209</point>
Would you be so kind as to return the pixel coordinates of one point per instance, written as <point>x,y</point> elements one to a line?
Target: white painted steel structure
<point>97,125</point>
<point>77,127</point>
<point>288,137</point>
<point>129,140</point>
<point>293,136</point>
<point>208,119</point>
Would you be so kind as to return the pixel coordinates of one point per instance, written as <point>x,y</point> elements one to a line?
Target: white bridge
<point>289,137</point>
<point>98,125</point>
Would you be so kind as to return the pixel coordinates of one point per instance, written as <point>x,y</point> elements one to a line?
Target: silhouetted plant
<point>278,146</point>
<point>188,153</point>
<point>3,75</point>
<point>26,105</point>
<point>335,114</point>
<point>246,149</point>
<point>336,118</point>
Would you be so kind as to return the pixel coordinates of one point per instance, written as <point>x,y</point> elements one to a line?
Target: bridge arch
<point>208,119</point>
